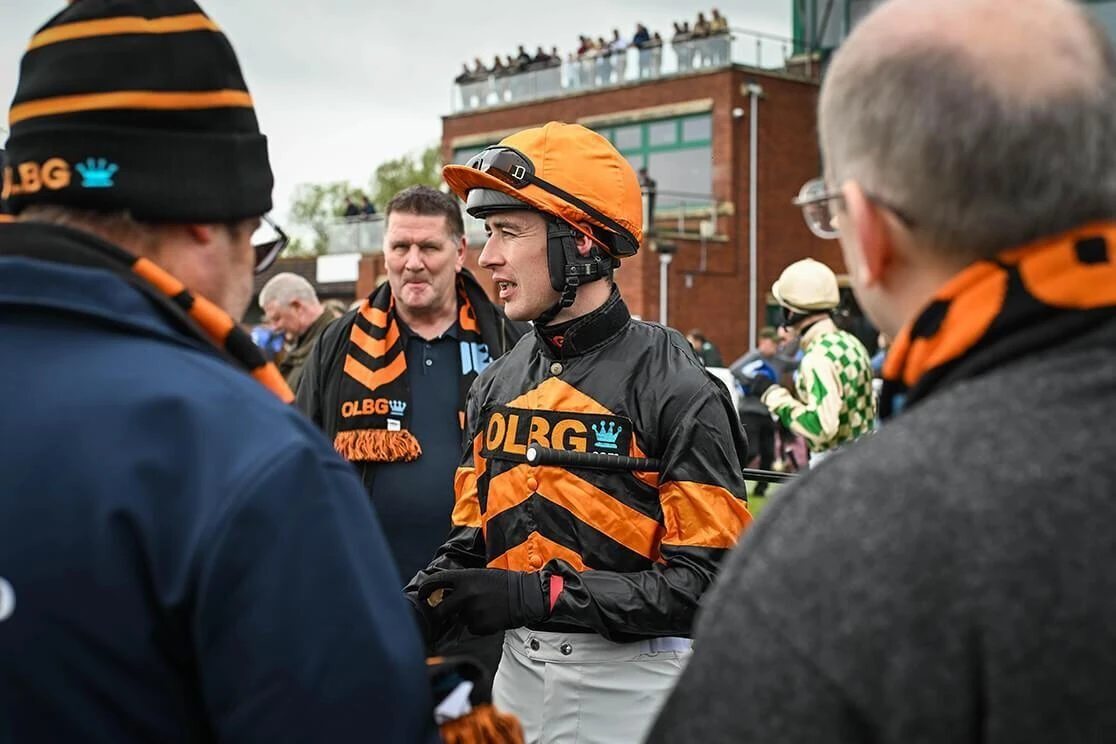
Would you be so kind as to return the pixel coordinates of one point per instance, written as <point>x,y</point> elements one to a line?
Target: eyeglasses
<point>820,207</point>
<point>267,251</point>
<point>516,170</point>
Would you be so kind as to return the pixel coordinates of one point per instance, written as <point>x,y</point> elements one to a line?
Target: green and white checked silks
<point>835,404</point>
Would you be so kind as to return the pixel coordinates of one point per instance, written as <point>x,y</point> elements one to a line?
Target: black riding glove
<point>485,600</point>
<point>760,385</point>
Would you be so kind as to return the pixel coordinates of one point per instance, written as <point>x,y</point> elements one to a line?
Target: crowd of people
<point>538,484</point>
<point>596,62</point>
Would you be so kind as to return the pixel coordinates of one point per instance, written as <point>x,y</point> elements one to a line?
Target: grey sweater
<point>951,578</point>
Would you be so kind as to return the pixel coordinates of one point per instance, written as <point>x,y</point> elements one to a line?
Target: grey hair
<point>975,169</point>
<point>285,288</point>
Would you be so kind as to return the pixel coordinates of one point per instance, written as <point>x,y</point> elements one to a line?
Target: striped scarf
<point>1022,301</point>
<point>375,399</point>
<point>193,313</point>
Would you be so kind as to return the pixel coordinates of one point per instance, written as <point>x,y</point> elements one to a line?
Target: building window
<point>662,133</point>
<point>678,154</point>
<point>697,129</point>
<point>628,138</point>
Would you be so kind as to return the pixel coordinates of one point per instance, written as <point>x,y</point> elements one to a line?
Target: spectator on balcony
<point>701,42</point>
<point>618,49</point>
<point>351,208</point>
<point>367,208</point>
<point>465,76</point>
<point>642,42</point>
<point>604,61</point>
<point>682,43</point>
<point>522,59</point>
<point>588,56</point>
<point>719,40</point>
<point>656,46</point>
<point>573,71</point>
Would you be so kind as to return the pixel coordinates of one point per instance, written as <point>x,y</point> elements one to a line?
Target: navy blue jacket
<point>183,558</point>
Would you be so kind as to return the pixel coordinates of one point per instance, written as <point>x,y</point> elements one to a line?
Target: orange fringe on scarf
<point>484,725</point>
<point>377,445</point>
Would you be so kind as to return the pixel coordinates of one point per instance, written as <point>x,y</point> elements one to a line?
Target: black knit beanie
<point>138,106</point>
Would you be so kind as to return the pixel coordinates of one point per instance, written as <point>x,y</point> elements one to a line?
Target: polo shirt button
<point>533,483</point>
<point>556,369</point>
<point>566,649</point>
<point>429,362</point>
<point>534,644</point>
<point>536,561</point>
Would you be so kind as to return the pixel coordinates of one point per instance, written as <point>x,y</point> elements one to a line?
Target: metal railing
<point>361,234</point>
<point>599,71</point>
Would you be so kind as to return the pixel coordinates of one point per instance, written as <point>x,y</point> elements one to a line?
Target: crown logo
<point>397,407</point>
<point>606,434</point>
<point>97,173</point>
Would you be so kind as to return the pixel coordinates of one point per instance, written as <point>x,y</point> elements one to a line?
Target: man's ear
<point>584,242</point>
<point>869,244</point>
<point>201,233</point>
<point>462,250</point>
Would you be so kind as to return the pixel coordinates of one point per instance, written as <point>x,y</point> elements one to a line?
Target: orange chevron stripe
<point>621,523</point>
<point>534,553</point>
<point>123,25</point>
<point>466,505</point>
<point>375,347</point>
<point>506,491</point>
<point>373,380</point>
<point>375,316</point>
<point>701,515</point>
<point>146,100</point>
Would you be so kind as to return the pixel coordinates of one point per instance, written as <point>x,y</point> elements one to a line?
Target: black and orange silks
<point>634,551</point>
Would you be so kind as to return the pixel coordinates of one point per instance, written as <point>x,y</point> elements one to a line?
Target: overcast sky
<point>342,85</point>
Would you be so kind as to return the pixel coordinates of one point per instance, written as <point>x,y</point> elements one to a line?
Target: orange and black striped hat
<point>136,105</point>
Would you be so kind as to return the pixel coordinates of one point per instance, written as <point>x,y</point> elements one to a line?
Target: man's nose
<point>490,255</point>
<point>414,259</point>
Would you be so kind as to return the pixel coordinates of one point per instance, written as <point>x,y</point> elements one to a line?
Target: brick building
<point>692,131</point>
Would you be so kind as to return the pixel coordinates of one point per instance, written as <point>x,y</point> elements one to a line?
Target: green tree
<point>391,177</point>
<point>316,205</point>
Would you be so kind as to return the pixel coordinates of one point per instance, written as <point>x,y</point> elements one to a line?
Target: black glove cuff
<point>526,592</point>
<point>760,385</point>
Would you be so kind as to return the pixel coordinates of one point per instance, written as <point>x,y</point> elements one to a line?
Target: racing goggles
<point>516,170</point>
<point>268,250</point>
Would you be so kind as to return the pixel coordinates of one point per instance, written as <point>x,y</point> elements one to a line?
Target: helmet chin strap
<point>568,268</point>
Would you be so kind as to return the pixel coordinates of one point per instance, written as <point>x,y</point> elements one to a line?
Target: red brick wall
<point>717,299</point>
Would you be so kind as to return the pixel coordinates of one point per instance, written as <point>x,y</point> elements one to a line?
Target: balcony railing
<point>750,48</point>
<point>363,234</point>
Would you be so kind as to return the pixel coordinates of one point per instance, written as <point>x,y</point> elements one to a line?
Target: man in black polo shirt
<point>387,381</point>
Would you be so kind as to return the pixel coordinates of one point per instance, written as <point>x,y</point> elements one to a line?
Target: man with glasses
<point>949,578</point>
<point>834,403</point>
<point>183,557</point>
<point>593,564</point>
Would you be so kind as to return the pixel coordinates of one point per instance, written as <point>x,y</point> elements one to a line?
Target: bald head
<point>1035,49</point>
<point>984,123</point>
